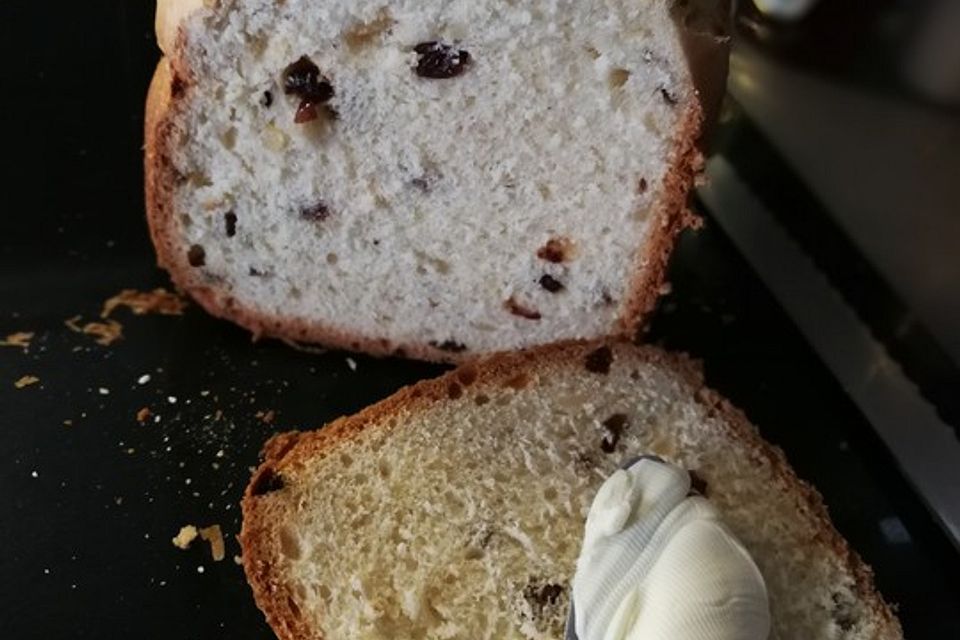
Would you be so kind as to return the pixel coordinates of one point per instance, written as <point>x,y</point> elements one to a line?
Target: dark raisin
<point>599,360</point>
<point>177,86</point>
<point>556,250</point>
<point>485,539</point>
<point>550,283</point>
<point>256,273</point>
<point>584,462</point>
<point>540,597</point>
<point>267,99</point>
<point>668,97</point>
<point>642,186</point>
<point>317,213</point>
<point>303,79</point>
<point>439,61</point>
<point>606,298</point>
<point>306,112</point>
<point>449,345</point>
<point>614,426</point>
<point>697,483</point>
<point>267,482</point>
<point>518,309</point>
<point>196,256</point>
<point>843,612</point>
<point>230,219</point>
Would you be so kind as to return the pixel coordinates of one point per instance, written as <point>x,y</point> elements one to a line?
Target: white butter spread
<point>658,564</point>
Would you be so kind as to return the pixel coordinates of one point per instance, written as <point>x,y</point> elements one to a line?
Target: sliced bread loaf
<point>435,178</point>
<point>455,509</point>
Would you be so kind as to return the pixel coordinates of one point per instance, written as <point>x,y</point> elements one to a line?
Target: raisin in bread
<point>455,509</point>
<point>439,179</point>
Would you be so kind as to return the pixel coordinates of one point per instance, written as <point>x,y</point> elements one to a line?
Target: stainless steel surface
<point>886,168</point>
<point>925,448</point>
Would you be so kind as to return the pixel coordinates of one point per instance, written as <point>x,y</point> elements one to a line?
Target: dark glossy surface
<point>90,508</point>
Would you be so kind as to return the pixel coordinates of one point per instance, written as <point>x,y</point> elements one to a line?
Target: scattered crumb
<point>143,415</point>
<point>266,417</point>
<point>237,560</point>
<point>68,423</point>
<point>217,415</point>
<point>188,534</point>
<point>214,536</point>
<point>200,569</point>
<point>144,379</point>
<point>141,303</point>
<point>172,399</point>
<point>103,391</point>
<point>20,340</point>
<point>352,364</point>
<point>106,333</point>
<point>26,381</point>
<point>34,474</point>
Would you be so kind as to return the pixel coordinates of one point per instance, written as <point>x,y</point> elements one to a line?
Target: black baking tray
<point>92,497</point>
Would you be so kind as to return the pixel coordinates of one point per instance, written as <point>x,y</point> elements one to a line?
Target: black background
<point>89,508</point>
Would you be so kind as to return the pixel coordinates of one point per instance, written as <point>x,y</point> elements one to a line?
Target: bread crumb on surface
<point>266,417</point>
<point>20,340</point>
<point>188,533</point>
<point>105,333</point>
<point>143,415</point>
<point>352,364</point>
<point>214,536</point>
<point>141,303</point>
<point>26,381</point>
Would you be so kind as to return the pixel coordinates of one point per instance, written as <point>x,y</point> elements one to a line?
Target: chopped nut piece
<point>274,138</point>
<point>365,33</point>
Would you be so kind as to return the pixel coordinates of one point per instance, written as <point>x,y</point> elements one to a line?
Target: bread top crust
<point>291,452</point>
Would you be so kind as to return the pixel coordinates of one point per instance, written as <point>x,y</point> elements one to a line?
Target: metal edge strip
<point>925,447</point>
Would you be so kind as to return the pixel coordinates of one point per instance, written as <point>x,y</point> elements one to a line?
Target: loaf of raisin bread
<point>439,179</point>
<point>455,508</point>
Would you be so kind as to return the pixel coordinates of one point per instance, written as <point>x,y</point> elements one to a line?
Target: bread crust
<point>289,451</point>
<point>172,85</point>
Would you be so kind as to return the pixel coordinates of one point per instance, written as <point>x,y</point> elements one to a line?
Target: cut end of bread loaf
<point>455,509</point>
<point>443,178</point>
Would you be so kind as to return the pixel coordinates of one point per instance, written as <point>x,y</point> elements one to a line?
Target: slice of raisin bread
<point>434,178</point>
<point>455,508</point>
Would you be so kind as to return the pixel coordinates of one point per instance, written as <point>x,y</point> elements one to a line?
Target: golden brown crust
<point>666,223</point>
<point>171,85</point>
<point>291,451</point>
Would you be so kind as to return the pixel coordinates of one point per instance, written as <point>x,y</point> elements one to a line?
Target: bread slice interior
<point>455,509</point>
